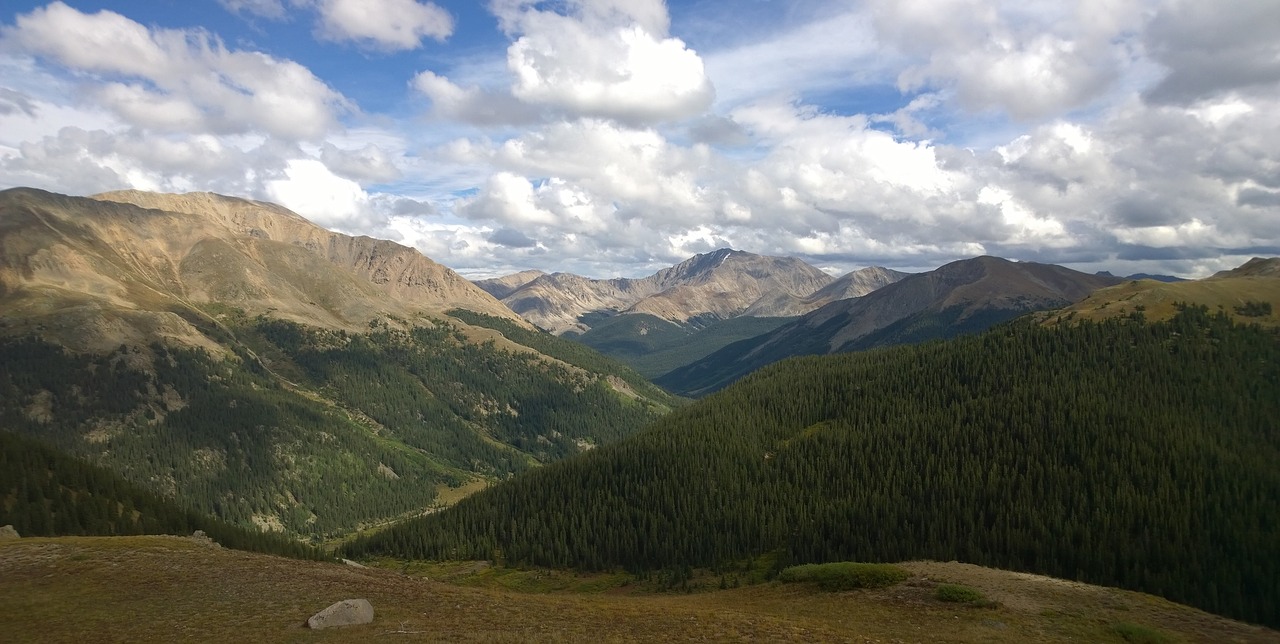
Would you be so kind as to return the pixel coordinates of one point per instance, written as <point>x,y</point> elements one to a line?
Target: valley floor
<point>171,589</point>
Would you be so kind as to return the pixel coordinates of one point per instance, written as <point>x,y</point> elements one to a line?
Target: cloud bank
<point>610,138</point>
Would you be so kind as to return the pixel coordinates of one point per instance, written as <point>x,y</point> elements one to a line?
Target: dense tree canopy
<point>1120,453</point>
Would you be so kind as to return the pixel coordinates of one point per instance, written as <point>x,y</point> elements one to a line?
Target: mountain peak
<point>1256,267</point>
<point>720,284</point>
<point>127,260</point>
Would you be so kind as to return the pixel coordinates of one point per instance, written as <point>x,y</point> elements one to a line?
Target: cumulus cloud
<point>511,238</point>
<point>180,80</point>
<point>88,161</point>
<point>603,58</point>
<point>390,25</point>
<point>1028,58</point>
<point>472,104</point>
<point>1139,135</point>
<point>369,163</point>
<point>313,191</point>
<point>1211,48</point>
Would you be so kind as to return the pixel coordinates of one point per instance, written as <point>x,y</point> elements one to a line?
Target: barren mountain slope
<point>718,285</point>
<point>129,267</point>
<point>501,287</point>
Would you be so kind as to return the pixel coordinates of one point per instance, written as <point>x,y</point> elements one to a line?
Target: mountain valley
<point>272,373</point>
<point>172,363</point>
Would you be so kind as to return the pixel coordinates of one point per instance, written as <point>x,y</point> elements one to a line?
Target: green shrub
<point>1138,634</point>
<point>845,575</point>
<point>958,594</point>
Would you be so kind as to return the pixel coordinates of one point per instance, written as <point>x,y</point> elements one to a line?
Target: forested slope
<point>45,493</point>
<point>316,431</point>
<point>1119,453</point>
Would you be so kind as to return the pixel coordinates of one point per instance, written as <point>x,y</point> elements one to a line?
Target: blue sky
<point>615,137</point>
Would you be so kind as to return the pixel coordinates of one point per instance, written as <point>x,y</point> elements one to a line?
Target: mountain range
<point>703,289</point>
<point>960,297</point>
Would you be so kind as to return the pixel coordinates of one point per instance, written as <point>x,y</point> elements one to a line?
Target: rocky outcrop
<point>348,612</point>
<point>8,532</point>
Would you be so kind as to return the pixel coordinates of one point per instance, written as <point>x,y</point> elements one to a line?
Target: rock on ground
<point>347,612</point>
<point>8,532</point>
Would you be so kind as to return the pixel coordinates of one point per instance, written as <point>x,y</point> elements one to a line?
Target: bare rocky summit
<point>712,286</point>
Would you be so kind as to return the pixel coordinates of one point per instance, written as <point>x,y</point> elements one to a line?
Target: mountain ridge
<point>717,285</point>
<point>962,296</point>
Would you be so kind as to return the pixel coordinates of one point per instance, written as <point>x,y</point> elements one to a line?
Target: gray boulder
<point>347,612</point>
<point>8,532</point>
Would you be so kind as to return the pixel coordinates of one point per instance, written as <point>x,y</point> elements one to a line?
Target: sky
<point>615,137</point>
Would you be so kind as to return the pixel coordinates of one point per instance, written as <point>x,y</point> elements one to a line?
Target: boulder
<point>347,612</point>
<point>8,532</point>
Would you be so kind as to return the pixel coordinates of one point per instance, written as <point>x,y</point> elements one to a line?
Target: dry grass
<point>1156,300</point>
<point>168,589</point>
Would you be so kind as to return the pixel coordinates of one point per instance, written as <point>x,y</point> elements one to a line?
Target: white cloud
<point>369,163</point>
<point>1030,58</point>
<point>313,191</point>
<point>605,58</point>
<point>1127,134</point>
<point>472,104</point>
<point>1212,48</point>
<point>180,79</point>
<point>390,25</point>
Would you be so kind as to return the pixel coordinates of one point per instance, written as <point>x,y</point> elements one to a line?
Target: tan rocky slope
<point>125,267</point>
<point>712,286</point>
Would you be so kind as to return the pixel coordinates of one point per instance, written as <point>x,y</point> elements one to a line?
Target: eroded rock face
<point>347,612</point>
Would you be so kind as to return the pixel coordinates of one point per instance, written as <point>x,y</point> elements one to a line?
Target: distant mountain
<point>1157,278</point>
<point>708,287</point>
<point>501,287</point>
<point>960,297</point>
<point>233,355</point>
<point>850,285</point>
<point>1146,276</point>
<point>1249,293</point>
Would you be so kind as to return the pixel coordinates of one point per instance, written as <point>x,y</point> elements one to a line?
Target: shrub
<point>845,575</point>
<point>1254,309</point>
<point>1139,634</point>
<point>958,594</point>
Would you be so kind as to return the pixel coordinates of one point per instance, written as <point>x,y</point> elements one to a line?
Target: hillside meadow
<point>173,589</point>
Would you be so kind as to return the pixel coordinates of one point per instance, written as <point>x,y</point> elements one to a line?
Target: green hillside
<point>46,493</point>
<point>1119,453</point>
<point>654,346</point>
<point>313,431</point>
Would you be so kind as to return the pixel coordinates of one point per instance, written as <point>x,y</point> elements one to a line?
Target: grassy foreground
<point>171,589</point>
